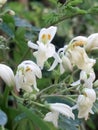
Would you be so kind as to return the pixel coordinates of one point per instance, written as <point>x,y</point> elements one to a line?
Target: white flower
<point>2,2</point>
<point>85,103</point>
<point>77,54</point>
<point>44,48</point>
<point>7,75</point>
<point>52,117</point>
<point>56,109</point>
<point>78,41</point>
<point>47,34</point>
<point>90,93</point>
<point>61,58</point>
<point>86,79</point>
<point>78,57</point>
<point>26,76</point>
<point>92,42</point>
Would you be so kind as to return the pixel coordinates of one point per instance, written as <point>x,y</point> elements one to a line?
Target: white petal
<point>35,85</point>
<point>55,63</point>
<point>32,45</point>
<point>84,106</point>
<point>63,109</point>
<point>92,42</point>
<point>52,117</point>
<point>56,56</point>
<point>67,65</point>
<point>50,50</point>
<point>75,83</point>
<point>47,31</point>
<point>7,75</point>
<point>90,93</point>
<point>62,70</point>
<point>80,39</point>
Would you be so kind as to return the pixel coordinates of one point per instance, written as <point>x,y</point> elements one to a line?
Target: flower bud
<point>7,75</point>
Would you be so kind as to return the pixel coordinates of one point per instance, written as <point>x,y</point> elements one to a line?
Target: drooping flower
<point>2,2</point>
<point>86,79</point>
<point>74,54</point>
<point>7,75</point>
<point>26,76</point>
<point>77,53</point>
<point>44,47</point>
<point>79,57</point>
<point>92,42</point>
<point>56,109</point>
<point>85,103</point>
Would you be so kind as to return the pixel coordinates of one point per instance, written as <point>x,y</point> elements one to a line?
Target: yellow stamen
<point>28,69</point>
<point>43,37</point>
<point>46,37</point>
<point>49,36</point>
<point>78,43</point>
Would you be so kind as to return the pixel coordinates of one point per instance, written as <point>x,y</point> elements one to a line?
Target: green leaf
<point>54,99</point>
<point>74,2</point>
<point>23,123</point>
<point>93,10</point>
<point>5,28</point>
<point>37,121</point>
<point>3,118</point>
<point>8,19</point>
<point>68,124</point>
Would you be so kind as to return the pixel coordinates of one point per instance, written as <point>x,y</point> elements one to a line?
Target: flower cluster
<point>71,56</point>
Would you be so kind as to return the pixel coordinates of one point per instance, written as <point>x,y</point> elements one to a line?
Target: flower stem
<point>18,98</point>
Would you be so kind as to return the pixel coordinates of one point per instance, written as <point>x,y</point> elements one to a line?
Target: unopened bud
<point>11,12</point>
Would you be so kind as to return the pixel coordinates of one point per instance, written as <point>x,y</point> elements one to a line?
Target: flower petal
<point>32,45</point>
<point>52,117</point>
<point>7,75</point>
<point>46,34</point>
<point>63,109</point>
<point>55,63</point>
<point>92,42</point>
<point>26,76</point>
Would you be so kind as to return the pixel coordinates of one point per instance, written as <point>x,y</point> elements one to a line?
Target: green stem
<point>65,17</point>
<point>39,104</point>
<point>17,97</point>
<point>44,90</point>
<point>5,96</point>
<point>2,127</point>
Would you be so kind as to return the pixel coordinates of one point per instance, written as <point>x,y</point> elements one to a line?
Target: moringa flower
<point>7,75</point>
<point>78,57</point>
<point>77,54</point>
<point>92,42</point>
<point>44,48</point>
<point>26,76</point>
<point>85,103</point>
<point>56,109</point>
<point>47,34</point>
<point>86,79</point>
